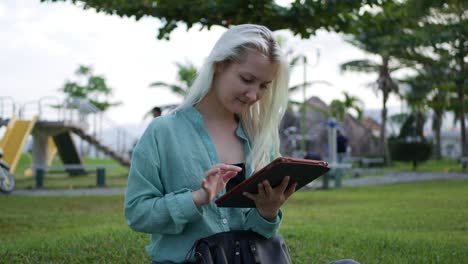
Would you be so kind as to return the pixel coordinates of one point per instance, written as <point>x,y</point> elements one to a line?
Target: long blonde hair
<point>261,122</point>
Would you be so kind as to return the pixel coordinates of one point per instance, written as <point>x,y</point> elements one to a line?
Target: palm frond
<point>366,66</point>
<point>295,88</point>
<point>173,87</point>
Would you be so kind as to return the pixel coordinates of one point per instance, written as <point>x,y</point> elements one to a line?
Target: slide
<point>14,139</point>
<point>68,153</point>
<point>9,126</point>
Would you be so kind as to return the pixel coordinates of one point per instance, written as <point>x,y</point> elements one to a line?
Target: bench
<point>40,172</point>
<point>464,162</point>
<point>365,162</point>
<point>337,171</point>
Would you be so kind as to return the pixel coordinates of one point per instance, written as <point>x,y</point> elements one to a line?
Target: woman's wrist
<point>268,215</point>
<point>199,197</point>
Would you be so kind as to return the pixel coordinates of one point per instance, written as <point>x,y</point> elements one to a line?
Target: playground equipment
<point>55,127</point>
<point>14,139</point>
<point>7,181</point>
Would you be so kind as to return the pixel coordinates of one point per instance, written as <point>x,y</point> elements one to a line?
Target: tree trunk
<point>384,84</point>
<point>461,100</point>
<point>383,132</point>
<point>437,119</point>
<point>461,97</point>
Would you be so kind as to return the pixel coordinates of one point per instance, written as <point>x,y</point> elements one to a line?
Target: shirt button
<point>224,221</point>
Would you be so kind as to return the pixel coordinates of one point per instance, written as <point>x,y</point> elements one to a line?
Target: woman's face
<point>238,85</point>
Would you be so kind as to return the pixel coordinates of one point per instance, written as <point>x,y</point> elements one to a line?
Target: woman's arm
<point>147,208</point>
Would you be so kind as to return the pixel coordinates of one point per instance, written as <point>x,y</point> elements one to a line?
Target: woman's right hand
<point>215,181</point>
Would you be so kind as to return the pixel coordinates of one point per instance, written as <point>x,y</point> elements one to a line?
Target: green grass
<point>403,223</point>
<point>429,166</point>
<point>116,176</point>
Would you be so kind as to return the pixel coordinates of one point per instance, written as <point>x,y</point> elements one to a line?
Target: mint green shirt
<point>168,163</point>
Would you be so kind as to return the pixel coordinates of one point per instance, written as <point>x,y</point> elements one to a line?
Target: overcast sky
<point>42,45</point>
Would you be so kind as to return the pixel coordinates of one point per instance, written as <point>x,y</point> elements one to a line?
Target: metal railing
<point>81,113</point>
<point>7,107</point>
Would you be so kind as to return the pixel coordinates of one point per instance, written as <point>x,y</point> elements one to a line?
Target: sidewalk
<point>392,178</point>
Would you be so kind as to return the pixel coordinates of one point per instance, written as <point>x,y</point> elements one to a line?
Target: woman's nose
<point>251,95</point>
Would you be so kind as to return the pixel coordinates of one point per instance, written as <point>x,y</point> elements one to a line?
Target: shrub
<point>414,151</point>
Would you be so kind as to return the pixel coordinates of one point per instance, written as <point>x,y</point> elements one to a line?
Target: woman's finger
<point>261,190</point>
<point>212,171</point>
<point>228,175</point>
<point>250,196</point>
<point>227,167</point>
<point>267,187</point>
<point>231,167</point>
<point>290,190</point>
<point>284,184</point>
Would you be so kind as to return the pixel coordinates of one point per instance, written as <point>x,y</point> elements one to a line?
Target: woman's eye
<point>246,80</point>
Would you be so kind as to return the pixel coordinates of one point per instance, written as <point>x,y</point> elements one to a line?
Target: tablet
<point>302,171</point>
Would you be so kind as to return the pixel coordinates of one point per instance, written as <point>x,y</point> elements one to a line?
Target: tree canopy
<point>90,87</point>
<point>301,17</point>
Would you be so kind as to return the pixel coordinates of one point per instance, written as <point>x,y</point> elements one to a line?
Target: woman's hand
<point>268,200</point>
<point>215,181</point>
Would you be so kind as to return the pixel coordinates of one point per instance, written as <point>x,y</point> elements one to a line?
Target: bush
<point>416,152</point>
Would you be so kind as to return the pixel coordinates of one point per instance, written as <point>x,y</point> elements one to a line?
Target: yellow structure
<point>14,140</point>
<point>7,132</point>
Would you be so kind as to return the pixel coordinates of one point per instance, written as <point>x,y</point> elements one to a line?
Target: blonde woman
<point>226,128</point>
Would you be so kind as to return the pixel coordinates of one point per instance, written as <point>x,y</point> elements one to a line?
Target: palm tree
<point>186,73</point>
<point>439,28</point>
<point>338,108</point>
<point>295,60</point>
<point>384,84</point>
<point>430,90</point>
<point>376,34</point>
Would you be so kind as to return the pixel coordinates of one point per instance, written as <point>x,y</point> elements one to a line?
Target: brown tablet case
<point>301,171</point>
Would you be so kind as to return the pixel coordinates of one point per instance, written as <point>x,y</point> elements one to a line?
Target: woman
<point>185,159</point>
<point>226,128</point>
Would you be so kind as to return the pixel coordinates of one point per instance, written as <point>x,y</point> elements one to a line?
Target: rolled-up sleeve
<point>148,208</point>
<point>255,222</point>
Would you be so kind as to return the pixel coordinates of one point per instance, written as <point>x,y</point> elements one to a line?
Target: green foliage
<point>186,74</point>
<point>90,87</point>
<point>416,152</point>
<point>434,38</point>
<point>302,17</point>
<point>402,223</point>
<point>410,145</point>
<point>413,126</point>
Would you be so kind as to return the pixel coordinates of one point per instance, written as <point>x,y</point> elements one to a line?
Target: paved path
<point>401,177</point>
<point>391,178</point>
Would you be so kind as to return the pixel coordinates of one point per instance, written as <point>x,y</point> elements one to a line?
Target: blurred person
<point>156,111</point>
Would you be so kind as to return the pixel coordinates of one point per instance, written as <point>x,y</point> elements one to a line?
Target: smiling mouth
<point>243,102</point>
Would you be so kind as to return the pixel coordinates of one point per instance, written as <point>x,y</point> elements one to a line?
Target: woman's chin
<point>240,110</point>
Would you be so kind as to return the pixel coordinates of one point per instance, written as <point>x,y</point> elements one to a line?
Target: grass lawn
<point>429,166</point>
<point>405,223</point>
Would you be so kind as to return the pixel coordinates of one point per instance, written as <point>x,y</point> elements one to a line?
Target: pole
<point>304,109</point>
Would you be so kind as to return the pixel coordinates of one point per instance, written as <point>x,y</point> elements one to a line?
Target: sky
<point>42,44</point>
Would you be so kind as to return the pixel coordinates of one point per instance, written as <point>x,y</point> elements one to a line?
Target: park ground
<point>418,222</point>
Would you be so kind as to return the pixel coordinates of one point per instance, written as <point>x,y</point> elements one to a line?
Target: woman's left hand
<point>269,200</point>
